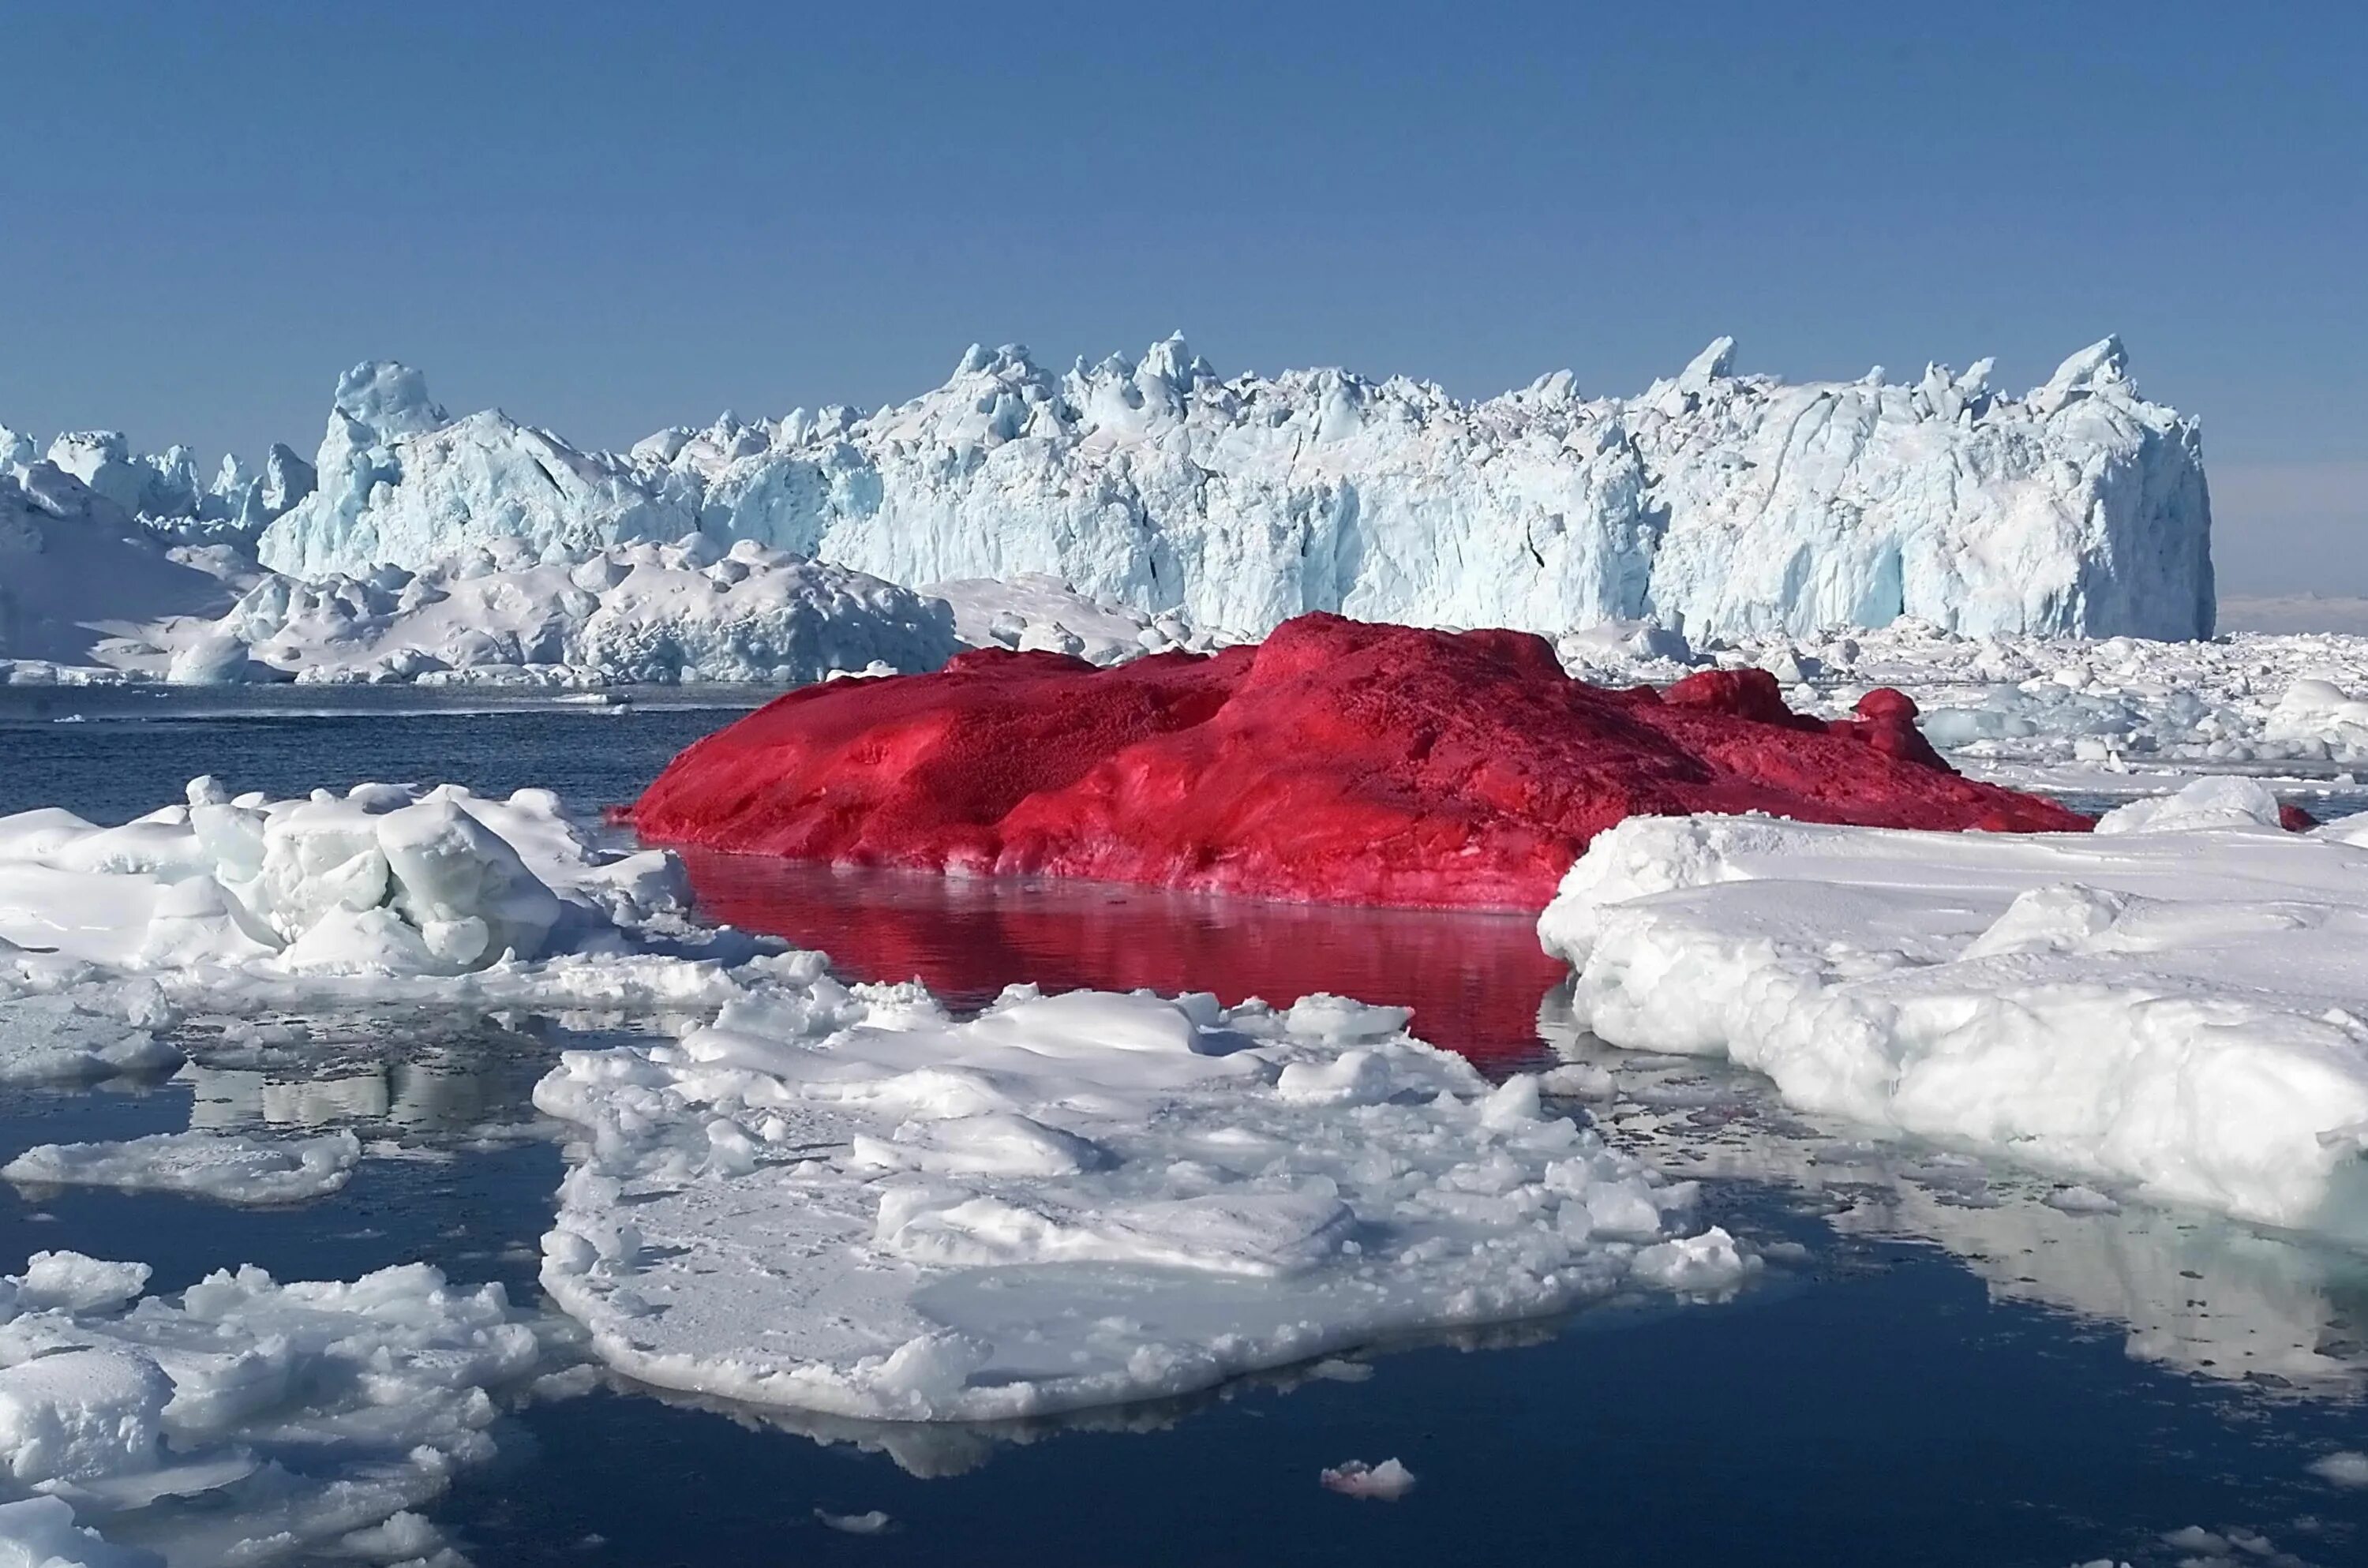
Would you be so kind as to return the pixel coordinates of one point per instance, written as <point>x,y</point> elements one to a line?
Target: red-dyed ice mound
<point>1338,760</point>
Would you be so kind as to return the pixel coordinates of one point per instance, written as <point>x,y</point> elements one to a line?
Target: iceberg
<point>1714,503</point>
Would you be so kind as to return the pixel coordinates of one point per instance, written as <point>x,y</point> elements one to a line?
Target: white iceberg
<point>845,1202</point>
<point>1713,503</point>
<point>2177,1009</point>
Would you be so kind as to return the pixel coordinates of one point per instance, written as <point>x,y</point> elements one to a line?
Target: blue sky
<point>608,218</point>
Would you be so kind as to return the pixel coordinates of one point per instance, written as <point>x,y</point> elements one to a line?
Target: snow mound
<point>385,881</point>
<point>2176,1007</point>
<point>245,1420</point>
<point>660,613</point>
<point>1713,503</point>
<point>1338,760</point>
<point>224,1166</point>
<point>845,1202</point>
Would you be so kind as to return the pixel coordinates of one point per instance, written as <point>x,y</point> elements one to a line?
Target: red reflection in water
<point>1473,980</point>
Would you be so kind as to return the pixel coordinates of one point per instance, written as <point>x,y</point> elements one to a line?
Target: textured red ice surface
<point>1338,760</point>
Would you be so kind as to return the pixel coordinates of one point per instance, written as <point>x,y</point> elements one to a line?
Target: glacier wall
<point>1718,504</point>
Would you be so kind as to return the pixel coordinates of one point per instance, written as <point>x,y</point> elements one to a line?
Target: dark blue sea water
<point>1936,1369</point>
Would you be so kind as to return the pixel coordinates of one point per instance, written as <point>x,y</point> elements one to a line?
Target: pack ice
<point>2173,1004</point>
<point>846,1201</point>
<point>1715,502</point>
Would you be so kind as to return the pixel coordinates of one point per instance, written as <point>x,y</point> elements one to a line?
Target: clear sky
<point>608,218</point>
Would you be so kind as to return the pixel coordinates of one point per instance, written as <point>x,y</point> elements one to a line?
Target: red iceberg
<point>1338,760</point>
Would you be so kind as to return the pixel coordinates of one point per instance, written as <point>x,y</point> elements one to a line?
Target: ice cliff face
<point>1715,502</point>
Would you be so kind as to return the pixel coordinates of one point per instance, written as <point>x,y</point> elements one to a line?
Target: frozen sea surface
<point>1945,1362</point>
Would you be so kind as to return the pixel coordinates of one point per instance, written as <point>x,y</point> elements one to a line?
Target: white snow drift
<point>245,1421</point>
<point>844,1201</point>
<point>2175,1004</point>
<point>1713,503</point>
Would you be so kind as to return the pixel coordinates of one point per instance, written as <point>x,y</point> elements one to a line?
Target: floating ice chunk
<point>228,1167</point>
<point>383,881</point>
<point>67,1281</point>
<point>1708,1262</point>
<point>80,1415</point>
<point>75,1036</point>
<point>1577,1080</point>
<point>2345,1467</point>
<point>1384,1483</point>
<point>2176,1009</point>
<point>2078,1200</point>
<point>246,1420</point>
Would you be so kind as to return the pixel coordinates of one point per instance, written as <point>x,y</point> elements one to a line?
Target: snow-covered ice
<point>847,1202</point>
<point>1713,502</point>
<point>2174,1004</point>
<point>225,1166</point>
<point>244,1420</point>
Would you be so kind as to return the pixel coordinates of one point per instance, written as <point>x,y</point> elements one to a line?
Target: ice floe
<point>2174,1004</point>
<point>847,1202</point>
<point>224,1166</point>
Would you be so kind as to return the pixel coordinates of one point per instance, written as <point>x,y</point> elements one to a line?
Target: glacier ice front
<point>1715,502</point>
